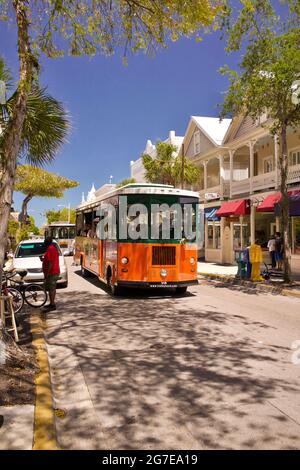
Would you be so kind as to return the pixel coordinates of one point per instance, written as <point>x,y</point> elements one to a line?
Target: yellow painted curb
<point>44,425</point>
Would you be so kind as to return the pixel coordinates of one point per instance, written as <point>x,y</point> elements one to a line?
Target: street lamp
<point>69,210</point>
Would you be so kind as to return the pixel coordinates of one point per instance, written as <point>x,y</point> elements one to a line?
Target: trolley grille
<point>163,256</point>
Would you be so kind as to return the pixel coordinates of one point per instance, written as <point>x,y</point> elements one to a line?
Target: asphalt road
<point>214,369</point>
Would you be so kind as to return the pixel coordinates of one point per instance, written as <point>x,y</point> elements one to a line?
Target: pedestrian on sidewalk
<point>272,250</point>
<point>51,271</point>
<point>278,250</point>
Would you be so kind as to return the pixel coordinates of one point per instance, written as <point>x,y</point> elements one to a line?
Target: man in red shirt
<point>51,270</point>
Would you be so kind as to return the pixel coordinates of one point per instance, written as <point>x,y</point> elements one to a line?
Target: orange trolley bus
<point>144,262</point>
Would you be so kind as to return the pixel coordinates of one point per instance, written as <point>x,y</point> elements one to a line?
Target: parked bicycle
<point>14,285</point>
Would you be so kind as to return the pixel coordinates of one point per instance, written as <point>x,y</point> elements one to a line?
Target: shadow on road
<point>169,374</point>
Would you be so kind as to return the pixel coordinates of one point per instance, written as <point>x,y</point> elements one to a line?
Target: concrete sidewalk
<point>227,274</point>
<point>214,268</point>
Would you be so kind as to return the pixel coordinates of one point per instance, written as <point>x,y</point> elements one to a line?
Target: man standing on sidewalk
<point>51,271</point>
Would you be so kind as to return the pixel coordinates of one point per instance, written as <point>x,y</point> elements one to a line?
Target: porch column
<point>252,223</point>
<point>276,158</point>
<point>231,153</point>
<point>205,173</point>
<point>222,228</point>
<point>221,166</point>
<point>251,149</point>
<point>277,221</point>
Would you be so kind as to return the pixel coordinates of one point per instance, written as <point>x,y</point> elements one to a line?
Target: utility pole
<point>182,166</point>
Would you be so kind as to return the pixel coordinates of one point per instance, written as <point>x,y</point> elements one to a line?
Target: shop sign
<point>210,196</point>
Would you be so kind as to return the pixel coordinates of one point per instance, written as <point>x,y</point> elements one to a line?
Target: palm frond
<point>45,129</point>
<point>5,77</point>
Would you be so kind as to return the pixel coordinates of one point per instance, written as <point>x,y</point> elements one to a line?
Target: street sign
<point>210,196</point>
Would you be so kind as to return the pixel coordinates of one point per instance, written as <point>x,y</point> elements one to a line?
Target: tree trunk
<point>285,206</point>
<point>12,140</point>
<point>23,215</point>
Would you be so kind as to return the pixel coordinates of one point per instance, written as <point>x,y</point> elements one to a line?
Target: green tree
<point>61,215</point>
<point>13,226</point>
<point>269,66</point>
<point>168,167</point>
<point>37,182</point>
<point>32,228</point>
<point>12,230</point>
<point>25,230</point>
<point>126,181</point>
<point>44,130</point>
<point>84,27</point>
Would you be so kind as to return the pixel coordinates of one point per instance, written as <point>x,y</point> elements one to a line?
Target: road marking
<point>44,437</point>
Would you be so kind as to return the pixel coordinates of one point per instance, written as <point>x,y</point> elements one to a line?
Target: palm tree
<point>166,168</point>
<point>45,129</point>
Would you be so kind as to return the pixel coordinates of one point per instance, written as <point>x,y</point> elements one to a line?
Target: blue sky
<point>115,108</point>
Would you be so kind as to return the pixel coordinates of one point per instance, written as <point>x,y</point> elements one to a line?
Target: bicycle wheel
<point>35,295</point>
<point>17,298</point>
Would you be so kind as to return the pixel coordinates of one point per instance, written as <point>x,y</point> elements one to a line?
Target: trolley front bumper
<point>153,285</point>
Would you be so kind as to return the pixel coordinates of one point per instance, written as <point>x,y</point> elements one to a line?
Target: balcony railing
<point>262,182</point>
<point>240,187</point>
<point>294,174</point>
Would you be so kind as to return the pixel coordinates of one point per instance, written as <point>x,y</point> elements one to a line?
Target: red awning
<point>240,207</point>
<point>269,202</point>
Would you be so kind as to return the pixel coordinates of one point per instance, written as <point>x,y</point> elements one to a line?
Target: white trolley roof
<point>139,188</point>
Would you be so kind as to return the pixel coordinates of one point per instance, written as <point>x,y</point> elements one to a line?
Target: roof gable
<point>214,129</point>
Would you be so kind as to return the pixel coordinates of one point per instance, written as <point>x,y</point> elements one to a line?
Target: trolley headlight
<point>192,260</point>
<point>124,260</point>
<point>163,272</point>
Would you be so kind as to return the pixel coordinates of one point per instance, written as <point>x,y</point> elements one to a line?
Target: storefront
<point>236,224</point>
<point>235,227</point>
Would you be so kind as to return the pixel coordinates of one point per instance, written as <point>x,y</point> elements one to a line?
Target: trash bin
<point>248,263</point>
<point>242,264</point>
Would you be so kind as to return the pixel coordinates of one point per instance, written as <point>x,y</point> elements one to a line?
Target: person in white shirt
<point>272,250</point>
